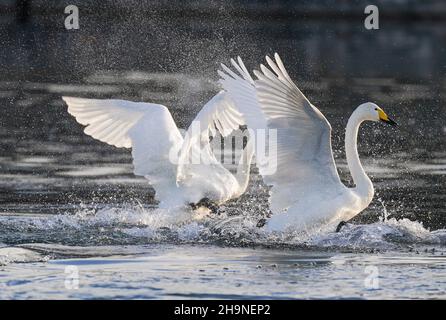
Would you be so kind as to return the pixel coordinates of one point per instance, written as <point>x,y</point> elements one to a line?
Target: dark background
<point>168,52</point>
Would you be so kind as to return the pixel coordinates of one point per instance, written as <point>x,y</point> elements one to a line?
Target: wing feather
<point>219,112</point>
<point>147,128</point>
<point>304,156</point>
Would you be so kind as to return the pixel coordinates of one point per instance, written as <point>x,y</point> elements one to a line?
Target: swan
<point>306,191</point>
<point>163,155</point>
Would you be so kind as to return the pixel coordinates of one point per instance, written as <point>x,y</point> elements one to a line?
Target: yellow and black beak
<point>385,118</point>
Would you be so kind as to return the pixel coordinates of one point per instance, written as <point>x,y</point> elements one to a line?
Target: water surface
<point>68,202</point>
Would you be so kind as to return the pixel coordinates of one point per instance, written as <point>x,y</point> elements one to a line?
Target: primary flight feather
<point>161,154</point>
<point>307,192</point>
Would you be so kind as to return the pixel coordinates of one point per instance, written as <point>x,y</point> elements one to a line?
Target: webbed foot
<point>340,225</point>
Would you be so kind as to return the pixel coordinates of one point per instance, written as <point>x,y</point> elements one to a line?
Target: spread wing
<point>198,165</point>
<point>304,161</point>
<point>218,114</point>
<point>147,128</point>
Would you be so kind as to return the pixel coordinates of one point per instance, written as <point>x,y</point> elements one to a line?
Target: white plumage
<point>161,154</point>
<point>307,192</point>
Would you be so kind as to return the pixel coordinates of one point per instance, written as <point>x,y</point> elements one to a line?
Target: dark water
<point>59,186</point>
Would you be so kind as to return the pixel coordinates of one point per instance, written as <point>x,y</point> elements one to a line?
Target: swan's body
<point>306,189</point>
<point>161,154</point>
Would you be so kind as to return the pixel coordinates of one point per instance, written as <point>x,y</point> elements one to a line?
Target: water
<point>197,271</point>
<point>70,205</point>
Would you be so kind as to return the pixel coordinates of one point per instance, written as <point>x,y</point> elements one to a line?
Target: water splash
<point>10,255</point>
<point>383,235</point>
<point>138,225</point>
<point>385,214</point>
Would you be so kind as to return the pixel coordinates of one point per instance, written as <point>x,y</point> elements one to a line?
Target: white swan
<point>307,192</point>
<point>162,155</point>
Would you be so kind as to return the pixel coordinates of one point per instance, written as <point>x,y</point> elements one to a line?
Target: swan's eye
<point>376,109</point>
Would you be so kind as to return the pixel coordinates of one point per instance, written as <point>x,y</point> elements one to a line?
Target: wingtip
<point>68,99</point>
<point>223,72</point>
<point>223,75</point>
<point>278,60</point>
<point>240,62</point>
<point>257,73</point>
<point>263,68</point>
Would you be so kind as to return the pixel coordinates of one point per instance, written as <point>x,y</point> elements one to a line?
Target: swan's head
<point>370,111</point>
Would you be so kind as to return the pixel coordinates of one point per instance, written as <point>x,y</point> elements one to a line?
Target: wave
<point>389,234</point>
<point>136,225</point>
<point>10,255</point>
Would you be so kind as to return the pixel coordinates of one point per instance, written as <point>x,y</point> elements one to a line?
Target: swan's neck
<point>364,186</point>
<point>244,168</point>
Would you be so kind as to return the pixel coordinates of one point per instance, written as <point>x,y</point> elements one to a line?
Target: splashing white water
<point>19,255</point>
<point>140,225</point>
<point>152,224</point>
<point>388,234</point>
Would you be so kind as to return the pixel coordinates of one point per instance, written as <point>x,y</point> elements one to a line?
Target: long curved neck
<point>364,186</point>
